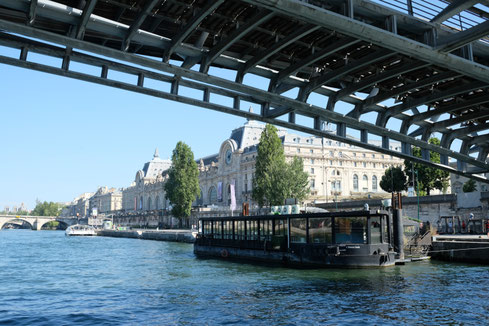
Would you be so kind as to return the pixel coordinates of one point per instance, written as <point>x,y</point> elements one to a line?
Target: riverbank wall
<point>186,236</point>
<point>461,248</point>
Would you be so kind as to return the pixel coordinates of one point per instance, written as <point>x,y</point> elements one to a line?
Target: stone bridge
<point>36,222</point>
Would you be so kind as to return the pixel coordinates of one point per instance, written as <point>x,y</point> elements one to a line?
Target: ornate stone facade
<point>105,200</point>
<point>146,192</point>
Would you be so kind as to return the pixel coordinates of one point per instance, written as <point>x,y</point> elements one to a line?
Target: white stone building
<point>146,192</point>
<point>105,200</point>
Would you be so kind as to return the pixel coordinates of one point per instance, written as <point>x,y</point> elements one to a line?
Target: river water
<point>49,279</point>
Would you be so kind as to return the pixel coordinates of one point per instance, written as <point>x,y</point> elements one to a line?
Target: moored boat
<point>346,239</point>
<point>80,230</point>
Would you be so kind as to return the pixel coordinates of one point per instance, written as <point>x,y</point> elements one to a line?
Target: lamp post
<point>417,187</point>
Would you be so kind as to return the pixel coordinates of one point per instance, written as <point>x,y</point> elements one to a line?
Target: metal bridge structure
<point>395,70</point>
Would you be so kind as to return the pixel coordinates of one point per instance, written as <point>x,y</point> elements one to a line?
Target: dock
<point>187,236</point>
<point>461,248</point>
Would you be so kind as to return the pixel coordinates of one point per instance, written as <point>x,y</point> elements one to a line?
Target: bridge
<point>36,222</point>
<point>397,70</point>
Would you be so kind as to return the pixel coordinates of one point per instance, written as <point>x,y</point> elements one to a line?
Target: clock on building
<point>229,156</point>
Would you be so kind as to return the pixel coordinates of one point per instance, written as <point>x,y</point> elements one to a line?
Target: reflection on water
<point>48,279</point>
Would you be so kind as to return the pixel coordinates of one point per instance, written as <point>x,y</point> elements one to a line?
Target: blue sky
<point>62,137</point>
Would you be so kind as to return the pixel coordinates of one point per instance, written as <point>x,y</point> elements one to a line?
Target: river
<point>49,279</point>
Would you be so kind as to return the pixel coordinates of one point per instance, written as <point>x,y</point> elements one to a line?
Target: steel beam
<point>133,29</point>
<point>336,74</point>
<point>378,78</point>
<point>452,9</point>
<point>378,36</point>
<point>449,108</point>
<point>191,25</point>
<point>259,95</point>
<point>460,39</point>
<point>436,78</point>
<point>407,105</point>
<point>286,41</point>
<point>317,56</point>
<point>261,17</point>
<point>32,12</point>
<point>87,11</point>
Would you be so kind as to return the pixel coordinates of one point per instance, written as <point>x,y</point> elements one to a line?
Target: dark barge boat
<point>348,239</point>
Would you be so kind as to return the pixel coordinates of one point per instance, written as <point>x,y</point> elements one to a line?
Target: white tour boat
<point>80,230</point>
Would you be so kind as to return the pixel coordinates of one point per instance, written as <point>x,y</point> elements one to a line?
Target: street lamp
<point>417,187</point>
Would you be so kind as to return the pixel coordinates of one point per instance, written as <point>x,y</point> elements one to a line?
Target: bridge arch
<point>62,224</point>
<point>4,221</point>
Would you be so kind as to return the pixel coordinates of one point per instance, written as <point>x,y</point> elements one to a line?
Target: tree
<point>298,179</point>
<point>427,176</point>
<point>46,209</point>
<point>269,181</point>
<point>274,179</point>
<point>182,186</point>
<point>393,180</point>
<point>469,186</point>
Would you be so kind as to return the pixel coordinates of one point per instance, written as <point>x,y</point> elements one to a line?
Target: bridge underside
<point>338,62</point>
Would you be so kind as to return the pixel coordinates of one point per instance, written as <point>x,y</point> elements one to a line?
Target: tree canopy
<point>274,179</point>
<point>428,177</point>
<point>182,186</point>
<point>393,180</point>
<point>469,186</point>
<point>46,209</point>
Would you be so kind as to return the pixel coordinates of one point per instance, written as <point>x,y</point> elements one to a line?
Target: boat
<point>344,239</point>
<point>80,230</point>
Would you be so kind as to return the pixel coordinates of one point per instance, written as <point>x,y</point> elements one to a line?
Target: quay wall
<point>161,235</point>
<point>468,250</point>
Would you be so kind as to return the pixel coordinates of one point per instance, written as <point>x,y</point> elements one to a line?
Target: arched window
<point>141,202</point>
<point>355,182</point>
<point>212,195</point>
<point>365,183</point>
<point>157,202</point>
<point>333,172</point>
<point>374,183</point>
<point>149,203</point>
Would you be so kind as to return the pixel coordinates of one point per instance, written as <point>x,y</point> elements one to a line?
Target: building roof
<point>156,166</point>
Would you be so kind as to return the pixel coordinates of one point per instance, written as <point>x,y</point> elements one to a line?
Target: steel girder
<point>315,47</point>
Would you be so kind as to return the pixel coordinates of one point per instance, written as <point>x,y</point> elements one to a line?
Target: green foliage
<point>274,179</point>
<point>298,180</point>
<point>428,177</point>
<point>393,180</point>
<point>46,209</point>
<point>470,186</point>
<point>182,186</point>
<point>51,225</point>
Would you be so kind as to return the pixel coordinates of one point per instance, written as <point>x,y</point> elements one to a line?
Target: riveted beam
<point>346,69</point>
<point>449,108</point>
<point>379,36</point>
<point>452,9</point>
<point>261,17</point>
<point>133,29</point>
<point>436,78</point>
<point>407,105</point>
<point>87,11</point>
<point>457,40</point>
<point>316,56</point>
<point>404,67</point>
<point>191,25</point>
<point>286,41</point>
<point>32,12</point>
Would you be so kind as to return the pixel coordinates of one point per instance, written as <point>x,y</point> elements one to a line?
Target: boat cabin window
<point>375,234</point>
<point>217,229</point>
<point>228,229</point>
<point>280,227</point>
<point>240,230</point>
<point>320,230</point>
<point>298,230</point>
<point>351,230</point>
<point>251,230</point>
<point>266,230</point>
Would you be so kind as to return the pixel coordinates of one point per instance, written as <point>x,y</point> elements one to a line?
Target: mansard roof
<point>156,166</point>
